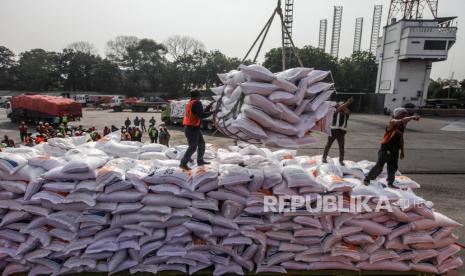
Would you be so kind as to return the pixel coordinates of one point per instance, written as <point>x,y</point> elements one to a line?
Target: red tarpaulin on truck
<point>55,106</point>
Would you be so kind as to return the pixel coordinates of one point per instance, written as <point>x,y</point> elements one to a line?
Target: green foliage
<point>134,65</point>
<point>38,70</point>
<point>354,73</point>
<point>7,62</point>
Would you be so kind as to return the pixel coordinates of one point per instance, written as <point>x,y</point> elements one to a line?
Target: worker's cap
<point>195,93</point>
<point>399,111</point>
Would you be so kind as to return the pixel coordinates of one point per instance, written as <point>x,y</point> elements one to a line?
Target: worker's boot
<point>185,167</point>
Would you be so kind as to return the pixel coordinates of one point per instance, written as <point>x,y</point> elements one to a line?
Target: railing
<point>424,29</point>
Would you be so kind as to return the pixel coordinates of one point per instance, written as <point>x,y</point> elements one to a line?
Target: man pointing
<point>192,122</point>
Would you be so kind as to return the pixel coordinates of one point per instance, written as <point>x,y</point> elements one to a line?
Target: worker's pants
<point>22,135</point>
<point>339,135</point>
<point>195,141</point>
<point>391,157</point>
<point>153,140</point>
<point>143,128</point>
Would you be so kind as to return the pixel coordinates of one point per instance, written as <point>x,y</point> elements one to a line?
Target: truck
<point>135,104</point>
<point>173,114</point>
<point>34,108</point>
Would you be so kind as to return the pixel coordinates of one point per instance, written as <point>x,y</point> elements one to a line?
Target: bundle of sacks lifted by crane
<point>68,206</point>
<point>279,110</point>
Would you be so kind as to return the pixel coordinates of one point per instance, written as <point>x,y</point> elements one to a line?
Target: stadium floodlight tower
<point>336,34</point>
<point>358,33</point>
<point>407,49</point>
<point>322,34</point>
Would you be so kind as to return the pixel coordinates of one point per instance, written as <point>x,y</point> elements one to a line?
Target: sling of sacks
<point>278,110</point>
<point>68,206</point>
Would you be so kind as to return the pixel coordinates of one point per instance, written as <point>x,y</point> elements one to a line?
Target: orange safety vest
<point>389,134</point>
<point>190,119</point>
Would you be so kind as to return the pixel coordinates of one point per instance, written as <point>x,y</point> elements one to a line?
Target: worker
<point>137,135</point>
<point>192,122</point>
<point>127,123</point>
<point>28,140</point>
<point>126,136</point>
<point>153,134</point>
<point>136,121</point>
<point>40,127</point>
<point>142,124</point>
<point>56,120</point>
<point>64,120</point>
<point>22,131</point>
<point>40,138</point>
<point>8,142</point>
<point>338,129</point>
<point>152,121</point>
<point>95,136</point>
<point>106,131</point>
<point>164,135</point>
<point>391,145</point>
<point>62,128</point>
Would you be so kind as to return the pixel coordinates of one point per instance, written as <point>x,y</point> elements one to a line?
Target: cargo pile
<point>68,206</point>
<point>278,110</point>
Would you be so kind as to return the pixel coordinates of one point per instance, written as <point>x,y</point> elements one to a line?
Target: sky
<point>227,25</point>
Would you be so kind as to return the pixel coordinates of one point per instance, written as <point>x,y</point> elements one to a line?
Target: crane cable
<point>263,33</point>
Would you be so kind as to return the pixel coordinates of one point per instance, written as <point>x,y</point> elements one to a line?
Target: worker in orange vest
<point>391,145</point>
<point>192,122</point>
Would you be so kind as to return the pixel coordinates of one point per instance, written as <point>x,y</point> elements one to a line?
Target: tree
<point>77,69</point>
<point>7,62</point>
<point>106,76</point>
<point>117,49</point>
<point>181,46</point>
<point>83,47</point>
<point>434,88</point>
<point>38,70</point>
<point>357,73</point>
<point>146,59</point>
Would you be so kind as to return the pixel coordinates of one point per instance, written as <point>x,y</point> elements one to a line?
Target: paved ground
<point>435,152</point>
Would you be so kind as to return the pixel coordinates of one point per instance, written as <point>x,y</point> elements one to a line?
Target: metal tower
<point>288,20</point>
<point>358,33</point>
<point>411,9</point>
<point>322,37</point>
<point>377,13</point>
<point>336,34</point>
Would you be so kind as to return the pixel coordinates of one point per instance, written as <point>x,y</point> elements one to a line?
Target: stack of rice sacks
<point>68,206</point>
<point>278,110</point>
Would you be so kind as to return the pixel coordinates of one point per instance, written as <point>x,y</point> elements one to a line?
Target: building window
<point>435,44</point>
<point>416,42</point>
<point>404,80</point>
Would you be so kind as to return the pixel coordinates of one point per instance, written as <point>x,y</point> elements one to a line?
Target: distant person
<point>137,135</point>
<point>136,122</point>
<point>127,123</point>
<point>153,134</point>
<point>126,136</point>
<point>8,142</point>
<point>192,122</point>
<point>40,138</point>
<point>338,129</point>
<point>29,141</point>
<point>106,131</point>
<point>22,131</point>
<point>391,145</point>
<point>95,136</point>
<point>65,119</point>
<point>113,128</point>
<point>142,124</point>
<point>40,128</point>
<point>164,135</point>
<point>152,121</point>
